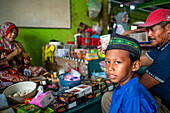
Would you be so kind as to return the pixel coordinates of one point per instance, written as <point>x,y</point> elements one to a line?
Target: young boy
<point>122,61</point>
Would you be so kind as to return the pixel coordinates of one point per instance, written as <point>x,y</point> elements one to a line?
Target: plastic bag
<point>67,67</point>
<point>94,8</point>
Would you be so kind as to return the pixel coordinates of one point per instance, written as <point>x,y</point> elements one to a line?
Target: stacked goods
<point>59,107</point>
<point>94,85</point>
<point>87,91</point>
<point>109,85</point>
<point>67,97</point>
<point>28,108</point>
<point>79,93</point>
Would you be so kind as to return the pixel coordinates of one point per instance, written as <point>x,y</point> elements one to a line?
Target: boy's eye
<point>107,62</point>
<point>117,62</point>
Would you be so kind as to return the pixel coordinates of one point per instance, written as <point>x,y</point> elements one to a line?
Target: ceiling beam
<point>153,3</point>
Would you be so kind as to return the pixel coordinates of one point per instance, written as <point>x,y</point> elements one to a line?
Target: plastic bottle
<point>76,66</point>
<point>52,75</point>
<point>78,54</point>
<point>55,74</point>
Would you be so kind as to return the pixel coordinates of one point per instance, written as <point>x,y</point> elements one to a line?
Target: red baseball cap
<point>157,16</point>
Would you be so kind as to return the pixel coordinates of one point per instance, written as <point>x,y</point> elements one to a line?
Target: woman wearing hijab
<point>122,27</point>
<point>15,66</point>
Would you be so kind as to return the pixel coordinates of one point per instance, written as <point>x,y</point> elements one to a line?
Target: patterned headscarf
<point>119,17</point>
<point>5,28</point>
<point>126,43</point>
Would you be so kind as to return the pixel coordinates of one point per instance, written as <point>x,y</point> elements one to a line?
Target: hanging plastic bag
<point>94,8</point>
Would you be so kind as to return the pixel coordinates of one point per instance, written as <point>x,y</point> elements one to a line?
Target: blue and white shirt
<point>160,70</point>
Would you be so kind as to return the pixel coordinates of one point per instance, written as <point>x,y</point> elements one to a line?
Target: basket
<point>69,83</point>
<point>95,41</point>
<point>85,41</point>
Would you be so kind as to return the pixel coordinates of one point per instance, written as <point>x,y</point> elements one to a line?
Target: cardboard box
<point>89,96</point>
<point>81,100</point>
<point>96,93</point>
<point>67,97</point>
<point>28,108</point>
<point>71,105</point>
<point>59,107</point>
<point>109,85</point>
<point>43,99</point>
<point>78,92</point>
<point>140,37</point>
<point>86,88</point>
<point>47,110</point>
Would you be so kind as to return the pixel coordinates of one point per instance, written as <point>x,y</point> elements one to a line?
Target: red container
<point>95,41</point>
<point>79,40</point>
<point>70,42</point>
<point>85,41</point>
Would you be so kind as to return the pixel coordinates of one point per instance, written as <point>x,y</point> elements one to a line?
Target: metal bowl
<point>27,87</point>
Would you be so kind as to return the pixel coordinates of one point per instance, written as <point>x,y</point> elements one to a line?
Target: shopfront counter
<point>60,61</point>
<point>88,66</point>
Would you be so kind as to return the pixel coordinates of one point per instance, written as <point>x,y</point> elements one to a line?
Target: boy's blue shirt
<point>132,97</point>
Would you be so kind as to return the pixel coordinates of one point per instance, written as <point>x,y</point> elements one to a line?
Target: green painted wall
<point>33,38</point>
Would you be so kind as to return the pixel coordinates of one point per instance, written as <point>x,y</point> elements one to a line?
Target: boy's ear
<point>136,65</point>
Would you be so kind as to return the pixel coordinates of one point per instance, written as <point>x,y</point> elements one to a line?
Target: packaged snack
<point>28,108</point>
<point>71,105</point>
<point>86,88</point>
<point>43,99</point>
<point>89,96</point>
<point>59,107</point>
<point>96,93</point>
<point>109,85</point>
<point>47,110</point>
<point>78,92</point>
<point>67,97</point>
<point>104,39</point>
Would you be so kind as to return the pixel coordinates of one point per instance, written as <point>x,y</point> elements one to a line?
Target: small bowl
<point>68,83</point>
<point>26,86</point>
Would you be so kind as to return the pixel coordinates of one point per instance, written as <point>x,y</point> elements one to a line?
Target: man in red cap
<point>157,76</point>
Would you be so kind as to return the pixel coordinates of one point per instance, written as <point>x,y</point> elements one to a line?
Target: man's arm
<point>145,61</point>
<point>127,32</point>
<point>147,81</point>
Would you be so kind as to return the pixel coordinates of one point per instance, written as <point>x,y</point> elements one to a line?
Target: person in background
<point>122,26</point>
<point>15,63</point>
<point>157,76</point>
<point>122,61</point>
